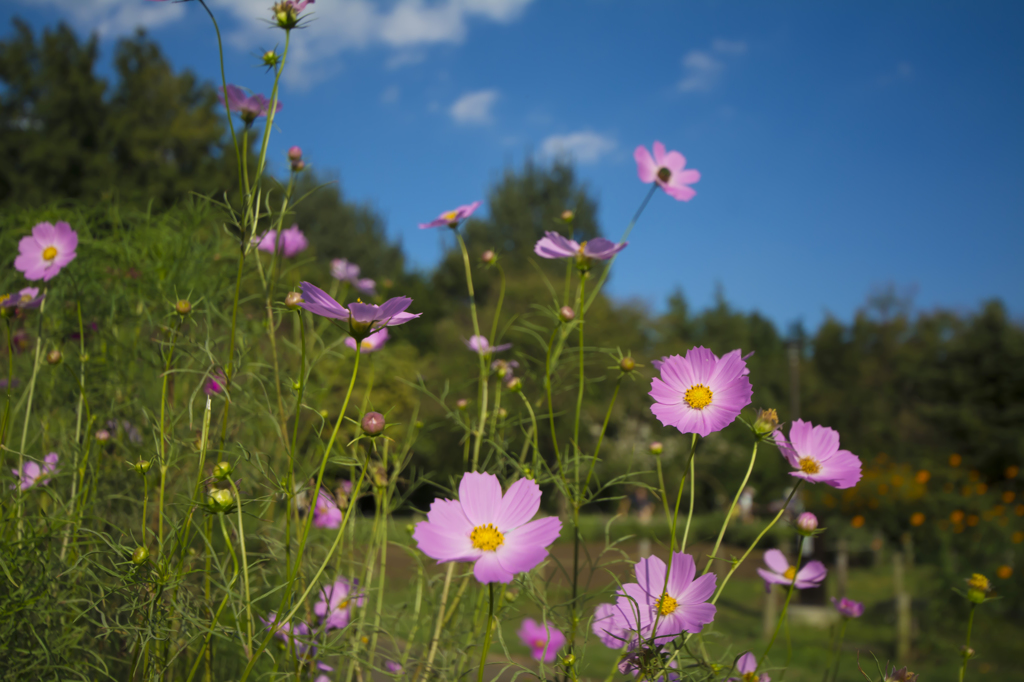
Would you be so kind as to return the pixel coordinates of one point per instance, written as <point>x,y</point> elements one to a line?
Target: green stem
<point>224,90</point>
<point>732,507</point>
<point>245,566</point>
<point>290,483</point>
<point>967,644</point>
<point>600,438</point>
<point>679,499</point>
<point>440,621</point>
<point>487,635</point>
<point>163,437</point>
<point>785,606</point>
<point>28,411</point>
<point>689,516</point>
<point>483,391</point>
<point>838,649</point>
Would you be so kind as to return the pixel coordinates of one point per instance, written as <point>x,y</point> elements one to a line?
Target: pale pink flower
<point>32,474</point>
<point>46,251</point>
<point>667,170</point>
<point>452,218</point>
<point>292,241</point>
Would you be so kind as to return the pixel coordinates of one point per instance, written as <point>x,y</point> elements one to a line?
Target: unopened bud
<point>379,474</point>
<point>142,466</point>
<point>568,660</point>
<point>54,357</point>
<point>462,403</point>
<point>373,423</point>
<point>627,364</point>
<point>324,413</point>
<point>183,307</point>
<point>140,556</point>
<point>656,448</point>
<point>410,528</point>
<point>966,651</point>
<point>766,423</point>
<point>102,436</point>
<point>298,165</point>
<point>292,300</point>
<point>221,500</point>
<point>419,425</point>
<point>295,153</point>
<point>502,413</point>
<point>489,257</point>
<point>270,58</point>
<point>528,473</point>
<point>568,216</point>
<point>566,313</point>
<point>222,470</point>
<point>515,384</point>
<point>511,596</point>
<point>807,522</point>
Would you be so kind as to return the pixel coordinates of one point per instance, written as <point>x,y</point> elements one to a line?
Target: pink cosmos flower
<point>452,218</point>
<point>814,452</point>
<point>292,241</point>
<point>393,667</point>
<point>344,271</point>
<point>664,610</point>
<point>700,393</point>
<point>666,169</point>
<point>28,298</point>
<point>554,245</point>
<point>326,513</point>
<point>373,342</point>
<point>746,666</point>
<point>363,318</point>
<point>290,632</point>
<point>480,344</point>
<point>32,474</point>
<point>611,625</point>
<point>780,572</point>
<point>46,251</point>
<point>215,384</point>
<point>488,528</point>
<point>336,602</point>
<point>249,108</point>
<point>544,641</point>
<point>848,608</point>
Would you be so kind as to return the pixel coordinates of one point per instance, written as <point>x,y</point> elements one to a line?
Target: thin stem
<point>967,644</point>
<point>483,391</point>
<point>224,90</point>
<point>838,650</point>
<point>689,516</point>
<point>579,393</point>
<point>440,621</point>
<point>245,565</point>
<point>487,635</point>
<point>604,428</point>
<point>163,436</point>
<point>785,606</point>
<point>625,235</point>
<point>732,507</point>
<point>290,483</point>
<point>679,499</point>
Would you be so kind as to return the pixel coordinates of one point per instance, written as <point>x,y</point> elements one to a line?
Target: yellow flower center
<point>367,343</point>
<point>487,538</point>
<point>666,604</point>
<point>809,465</point>
<point>4,297</point>
<point>698,397</point>
<point>540,643</point>
<point>451,216</point>
<point>343,605</point>
<point>979,582</point>
<point>49,253</point>
<point>790,573</point>
<point>750,677</point>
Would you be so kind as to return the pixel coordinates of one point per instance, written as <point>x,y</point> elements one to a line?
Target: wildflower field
<point>242,441</point>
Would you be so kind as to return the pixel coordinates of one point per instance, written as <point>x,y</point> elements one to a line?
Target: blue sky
<point>844,146</point>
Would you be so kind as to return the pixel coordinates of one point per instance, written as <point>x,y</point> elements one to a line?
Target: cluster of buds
<point>295,158</point>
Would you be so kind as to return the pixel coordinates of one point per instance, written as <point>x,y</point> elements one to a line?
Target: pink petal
<point>680,192</point>
<point>699,591</point>
<point>437,543</point>
<point>518,506</point>
<point>659,153</point>
<point>674,161</point>
<point>680,574</point>
<point>448,514</point>
<point>702,364</point>
<point>489,570</point>
<point>650,575</point>
<point>686,177</point>
<point>480,495</point>
<point>526,546</point>
<point>776,560</point>
<point>646,168</point>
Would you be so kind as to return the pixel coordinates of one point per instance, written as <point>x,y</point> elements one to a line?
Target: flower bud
<point>54,357</point>
<point>140,556</point>
<point>222,470</point>
<point>462,403</point>
<point>220,500</point>
<point>568,660</point>
<point>270,58</point>
<point>285,15</point>
<point>978,588</point>
<point>183,307</point>
<point>807,522</point>
<point>489,257</point>
<point>373,423</point>
<point>102,436</point>
<point>419,424</point>
<point>410,528</point>
<point>966,651</point>
<point>324,413</point>
<point>292,300</point>
<point>298,166</point>
<point>511,596</point>
<point>295,153</point>
<point>502,413</point>
<point>528,473</point>
<point>142,466</point>
<point>568,217</point>
<point>627,364</point>
<point>566,313</point>
<point>766,423</point>
<point>515,384</point>
<point>656,448</point>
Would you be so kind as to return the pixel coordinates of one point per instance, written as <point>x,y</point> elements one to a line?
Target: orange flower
<point>1004,572</point>
<point>957,516</point>
<point>857,521</point>
<point>917,519</point>
<point>954,460</point>
<point>1012,471</point>
<point>982,488</point>
<point>1008,496</point>
<point>1017,537</point>
<point>972,520</point>
<point>923,476</point>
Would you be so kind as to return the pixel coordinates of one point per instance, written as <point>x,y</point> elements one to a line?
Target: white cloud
<point>701,71</point>
<point>391,95</point>
<point>474,107</point>
<point>115,17</point>
<point>585,146</point>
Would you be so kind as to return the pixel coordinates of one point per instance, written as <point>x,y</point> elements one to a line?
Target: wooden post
<point>842,567</point>
<point>902,608</point>
<point>771,612</point>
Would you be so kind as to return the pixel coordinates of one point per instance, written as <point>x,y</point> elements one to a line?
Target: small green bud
<point>489,257</point>
<point>656,448</point>
<point>270,58</point>
<point>221,500</point>
<point>627,364</point>
<point>54,357</point>
<point>140,556</point>
<point>528,473</point>
<point>296,385</point>
<point>568,660</point>
<point>410,528</point>
<point>183,307</point>
<point>419,425</point>
<point>566,313</point>
<point>222,470</point>
<point>511,596</point>
<point>142,467</point>
<point>515,385</point>
<point>766,423</point>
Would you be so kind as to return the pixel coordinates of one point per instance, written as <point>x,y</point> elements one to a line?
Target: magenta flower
<point>372,343</point>
<point>336,602</point>
<point>554,245</point>
<point>480,344</point>
<point>848,608</point>
<point>700,393</point>
<point>292,241</point>
<point>28,298</point>
<point>666,609</point>
<point>491,530</point>
<point>814,452</point>
<point>393,667</point>
<point>746,666</point>
<point>249,108</point>
<point>32,474</point>
<point>667,170</point>
<point>289,633</point>
<point>452,218</point>
<point>543,640</point>
<point>344,271</point>
<point>326,513</point>
<point>363,318</point>
<point>46,251</point>
<point>780,572</point>
<point>215,384</point>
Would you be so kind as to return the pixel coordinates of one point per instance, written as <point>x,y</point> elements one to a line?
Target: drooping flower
<point>28,298</point>
<point>336,602</point>
<point>666,609</point>
<point>452,218</point>
<point>45,252</point>
<point>480,344</point>
<point>667,169</point>
<point>344,271</point>
<point>505,369</point>
<point>363,318</point>
<point>371,343</point>
<point>848,608</point>
<point>326,513</point>
<point>780,572</point>
<point>248,107</point>
<point>554,245</point>
<point>490,529</point>
<point>544,641</point>
<point>700,393</point>
<point>814,452</point>
<point>746,666</point>
<point>292,241</point>
<point>32,474</point>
